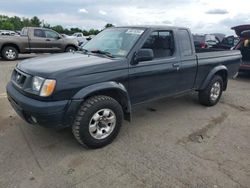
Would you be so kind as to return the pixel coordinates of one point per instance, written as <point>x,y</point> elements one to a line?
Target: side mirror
<point>59,37</point>
<point>143,55</point>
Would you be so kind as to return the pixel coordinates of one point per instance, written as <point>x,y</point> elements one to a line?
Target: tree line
<point>16,23</point>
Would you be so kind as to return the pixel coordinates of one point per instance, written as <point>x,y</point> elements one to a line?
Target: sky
<point>201,16</point>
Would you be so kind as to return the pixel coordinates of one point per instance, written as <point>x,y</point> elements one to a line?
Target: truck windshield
<point>114,41</point>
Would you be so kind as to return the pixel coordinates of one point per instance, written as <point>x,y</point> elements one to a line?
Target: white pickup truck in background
<point>82,40</point>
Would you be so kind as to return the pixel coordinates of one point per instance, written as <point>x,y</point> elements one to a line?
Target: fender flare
<point>212,73</point>
<point>104,86</point>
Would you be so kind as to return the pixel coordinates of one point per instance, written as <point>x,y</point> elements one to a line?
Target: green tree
<point>85,32</point>
<point>46,25</point>
<point>35,21</point>
<point>58,28</point>
<point>75,30</point>
<point>7,25</point>
<point>66,31</point>
<point>17,22</point>
<point>26,22</point>
<point>109,25</point>
<point>93,32</point>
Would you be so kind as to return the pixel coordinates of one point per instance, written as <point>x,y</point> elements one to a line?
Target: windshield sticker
<point>134,31</point>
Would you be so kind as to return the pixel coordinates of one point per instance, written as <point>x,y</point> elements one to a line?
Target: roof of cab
<point>152,27</point>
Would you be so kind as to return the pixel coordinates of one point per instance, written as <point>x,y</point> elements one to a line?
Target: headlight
<point>45,87</point>
<point>37,83</point>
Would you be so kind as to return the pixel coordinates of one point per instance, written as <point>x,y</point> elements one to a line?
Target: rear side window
<point>39,33</point>
<point>185,42</point>
<point>161,42</point>
<point>24,32</point>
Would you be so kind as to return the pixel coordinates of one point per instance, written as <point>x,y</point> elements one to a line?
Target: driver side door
<point>54,41</point>
<point>159,77</point>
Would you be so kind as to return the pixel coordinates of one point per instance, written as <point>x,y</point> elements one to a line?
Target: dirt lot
<point>170,143</point>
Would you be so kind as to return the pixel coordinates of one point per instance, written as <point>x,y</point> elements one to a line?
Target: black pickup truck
<point>94,89</point>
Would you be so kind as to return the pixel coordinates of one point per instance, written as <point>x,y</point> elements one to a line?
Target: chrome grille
<point>19,78</point>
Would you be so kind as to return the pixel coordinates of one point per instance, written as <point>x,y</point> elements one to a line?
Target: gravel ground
<point>170,143</point>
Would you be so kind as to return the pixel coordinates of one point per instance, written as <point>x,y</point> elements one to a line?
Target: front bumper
<point>54,114</point>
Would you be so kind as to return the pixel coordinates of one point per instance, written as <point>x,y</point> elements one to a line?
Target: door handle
<point>176,65</point>
<point>47,39</point>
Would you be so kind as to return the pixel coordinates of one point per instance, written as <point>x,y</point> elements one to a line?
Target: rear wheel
<point>9,53</point>
<point>212,93</point>
<point>98,121</point>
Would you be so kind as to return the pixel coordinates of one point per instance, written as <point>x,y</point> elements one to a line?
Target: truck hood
<point>242,30</point>
<point>69,64</point>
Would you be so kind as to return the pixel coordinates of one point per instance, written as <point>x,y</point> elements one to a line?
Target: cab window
<point>39,33</point>
<point>161,42</point>
<point>185,42</point>
<point>51,34</point>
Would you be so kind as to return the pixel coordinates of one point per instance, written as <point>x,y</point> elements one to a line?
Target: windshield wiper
<point>102,52</point>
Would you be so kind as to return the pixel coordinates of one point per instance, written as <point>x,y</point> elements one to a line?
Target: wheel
<point>98,121</point>
<point>70,49</point>
<point>212,93</point>
<point>9,53</point>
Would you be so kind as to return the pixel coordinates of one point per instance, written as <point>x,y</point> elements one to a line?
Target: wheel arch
<point>10,44</point>
<point>112,89</point>
<point>70,45</point>
<point>220,70</point>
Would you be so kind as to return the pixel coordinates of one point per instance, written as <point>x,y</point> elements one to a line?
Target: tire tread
<point>82,111</point>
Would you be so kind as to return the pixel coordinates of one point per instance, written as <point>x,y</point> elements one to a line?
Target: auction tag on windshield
<point>134,31</point>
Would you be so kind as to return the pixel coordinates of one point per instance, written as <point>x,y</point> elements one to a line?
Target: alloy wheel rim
<point>10,54</point>
<point>215,91</point>
<point>102,124</point>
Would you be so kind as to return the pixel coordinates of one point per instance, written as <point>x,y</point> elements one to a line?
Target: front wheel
<point>9,53</point>
<point>70,49</point>
<point>98,121</point>
<point>212,93</point>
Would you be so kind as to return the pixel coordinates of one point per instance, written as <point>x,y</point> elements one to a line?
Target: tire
<point>70,49</point>
<point>9,53</point>
<point>212,93</point>
<point>83,127</point>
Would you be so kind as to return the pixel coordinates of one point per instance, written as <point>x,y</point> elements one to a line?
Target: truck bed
<point>212,58</point>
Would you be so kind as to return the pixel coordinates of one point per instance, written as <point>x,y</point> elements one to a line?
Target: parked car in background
<point>90,37</point>
<point>205,41</point>
<point>64,35</point>
<point>219,36</point>
<point>93,90</point>
<point>243,32</point>
<point>33,40</point>
<point>228,42</point>
<point>80,38</point>
<point>7,32</point>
